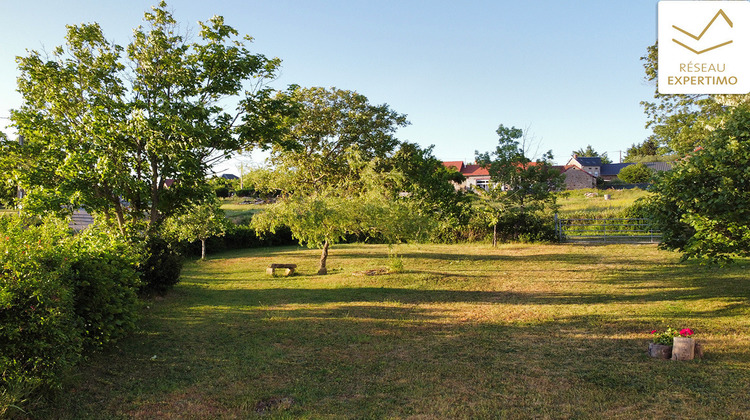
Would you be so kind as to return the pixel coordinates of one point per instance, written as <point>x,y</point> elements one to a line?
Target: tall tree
<point>331,126</point>
<point>521,186</point>
<point>424,178</point>
<point>590,152</point>
<point>101,127</point>
<point>647,148</point>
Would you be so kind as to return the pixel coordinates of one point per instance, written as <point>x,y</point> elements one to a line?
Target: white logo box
<point>704,47</point>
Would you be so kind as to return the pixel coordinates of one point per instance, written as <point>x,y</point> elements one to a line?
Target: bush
<point>59,294</point>
<point>636,174</point>
<point>245,192</point>
<point>104,282</point>
<point>40,338</point>
<point>524,227</point>
<point>221,192</point>
<point>243,236</point>
<point>527,227</point>
<point>160,266</point>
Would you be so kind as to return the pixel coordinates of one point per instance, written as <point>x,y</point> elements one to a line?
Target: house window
<point>483,184</point>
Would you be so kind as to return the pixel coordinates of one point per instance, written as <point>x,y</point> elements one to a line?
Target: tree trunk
<point>494,235</point>
<point>203,249</point>
<point>323,257</point>
<point>156,185</point>
<point>120,214</point>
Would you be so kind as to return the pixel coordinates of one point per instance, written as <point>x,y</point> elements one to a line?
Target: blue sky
<point>569,71</point>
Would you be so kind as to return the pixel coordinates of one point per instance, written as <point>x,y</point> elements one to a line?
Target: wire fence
<point>607,230</point>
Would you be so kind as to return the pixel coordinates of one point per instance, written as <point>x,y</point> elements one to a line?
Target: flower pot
<point>659,351</point>
<point>683,348</point>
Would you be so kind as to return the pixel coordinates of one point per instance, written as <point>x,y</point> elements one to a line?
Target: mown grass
<point>465,331</point>
<point>236,211</point>
<point>576,202</point>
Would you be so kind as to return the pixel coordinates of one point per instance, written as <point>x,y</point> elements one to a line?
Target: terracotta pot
<point>659,351</point>
<point>683,348</point>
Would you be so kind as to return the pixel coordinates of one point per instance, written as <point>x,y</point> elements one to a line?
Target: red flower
<point>653,331</point>
<point>686,332</point>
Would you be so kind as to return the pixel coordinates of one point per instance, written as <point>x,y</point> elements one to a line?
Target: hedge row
<point>242,236</point>
<point>60,294</point>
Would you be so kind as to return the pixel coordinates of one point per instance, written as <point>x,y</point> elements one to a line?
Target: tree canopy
<point>636,174</point>
<point>523,184</point>
<point>331,127</point>
<point>131,131</point>
<point>680,123</point>
<point>335,170</point>
<point>590,152</point>
<point>704,202</point>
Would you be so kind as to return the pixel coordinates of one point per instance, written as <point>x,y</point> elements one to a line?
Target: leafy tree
<point>198,224</point>
<point>590,152</point>
<point>649,147</point>
<point>424,178</point>
<point>8,185</point>
<point>706,196</point>
<point>335,139</point>
<point>102,127</point>
<point>326,216</point>
<point>332,125</point>
<point>636,174</point>
<point>521,186</point>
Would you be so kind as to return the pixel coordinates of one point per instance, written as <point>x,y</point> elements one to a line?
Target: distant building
<point>476,176</point>
<point>610,171</point>
<point>580,172</point>
<point>576,178</point>
<point>230,177</point>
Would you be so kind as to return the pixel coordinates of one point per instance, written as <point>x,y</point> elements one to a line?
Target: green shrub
<point>104,282</point>
<point>221,192</point>
<point>40,337</point>
<point>243,236</point>
<point>636,174</point>
<point>58,295</point>
<point>160,265</point>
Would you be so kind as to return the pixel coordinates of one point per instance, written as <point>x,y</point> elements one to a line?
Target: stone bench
<point>289,269</point>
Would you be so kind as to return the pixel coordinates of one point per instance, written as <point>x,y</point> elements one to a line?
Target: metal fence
<point>606,230</point>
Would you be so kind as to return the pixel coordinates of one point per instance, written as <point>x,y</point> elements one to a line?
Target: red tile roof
<point>474,170</point>
<point>466,170</point>
<point>456,164</point>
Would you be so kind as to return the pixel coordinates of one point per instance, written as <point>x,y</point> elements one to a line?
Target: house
<point>592,165</point>
<point>610,171</point>
<point>576,178</point>
<point>478,177</point>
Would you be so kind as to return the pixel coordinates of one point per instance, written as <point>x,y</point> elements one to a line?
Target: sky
<point>569,72</point>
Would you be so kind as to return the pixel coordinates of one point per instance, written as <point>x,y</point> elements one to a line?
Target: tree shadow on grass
<point>383,360</point>
<point>306,296</point>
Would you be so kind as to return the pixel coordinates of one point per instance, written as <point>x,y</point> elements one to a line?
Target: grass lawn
<point>575,201</point>
<point>236,211</point>
<point>465,331</point>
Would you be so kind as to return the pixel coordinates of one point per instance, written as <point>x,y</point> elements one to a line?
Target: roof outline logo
<point>698,38</point>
